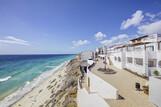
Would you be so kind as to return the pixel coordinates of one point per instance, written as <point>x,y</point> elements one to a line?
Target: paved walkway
<point>125,83</point>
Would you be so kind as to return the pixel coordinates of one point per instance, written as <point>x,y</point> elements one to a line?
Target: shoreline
<point>58,90</point>
<point>4,102</point>
<point>63,65</point>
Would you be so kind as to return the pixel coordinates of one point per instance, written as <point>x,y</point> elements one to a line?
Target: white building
<point>86,55</point>
<point>116,55</point>
<point>142,55</point>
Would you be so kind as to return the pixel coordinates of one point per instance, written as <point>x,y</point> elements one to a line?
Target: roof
<point>121,46</point>
<point>138,38</point>
<point>139,43</point>
<point>117,45</point>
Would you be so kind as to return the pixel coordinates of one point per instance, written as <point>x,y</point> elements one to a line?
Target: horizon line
<point>42,54</point>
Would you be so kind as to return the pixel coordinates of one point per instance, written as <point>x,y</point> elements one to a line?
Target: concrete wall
<point>102,88</point>
<point>155,91</point>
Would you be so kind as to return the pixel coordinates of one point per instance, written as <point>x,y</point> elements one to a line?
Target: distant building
<point>86,55</point>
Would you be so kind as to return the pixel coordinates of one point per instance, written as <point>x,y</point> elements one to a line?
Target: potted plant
<point>156,73</point>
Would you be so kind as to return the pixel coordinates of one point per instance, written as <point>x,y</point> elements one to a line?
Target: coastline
<point>42,93</point>
<point>30,86</point>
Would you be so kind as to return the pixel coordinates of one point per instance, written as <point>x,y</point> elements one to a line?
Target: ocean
<point>22,72</point>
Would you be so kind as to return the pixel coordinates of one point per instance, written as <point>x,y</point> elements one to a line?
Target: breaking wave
<point>5,79</point>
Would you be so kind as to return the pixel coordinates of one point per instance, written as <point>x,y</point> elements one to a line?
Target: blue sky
<point>71,26</point>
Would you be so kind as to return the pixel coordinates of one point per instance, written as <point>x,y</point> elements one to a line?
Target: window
<point>129,60</point>
<point>150,48</point>
<point>115,58</point>
<point>139,61</point>
<point>119,59</point>
<point>159,64</point>
<point>159,46</point>
<point>152,62</point>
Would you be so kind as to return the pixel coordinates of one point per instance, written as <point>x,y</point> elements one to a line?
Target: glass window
<point>115,58</point>
<point>152,62</point>
<point>119,59</point>
<point>159,64</point>
<point>159,46</point>
<point>139,61</point>
<point>129,59</point>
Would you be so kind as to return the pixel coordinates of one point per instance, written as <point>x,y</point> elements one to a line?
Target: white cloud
<point>122,38</point>
<point>14,40</point>
<point>152,16</point>
<point>151,28</point>
<point>135,20</point>
<point>80,43</point>
<point>99,36</point>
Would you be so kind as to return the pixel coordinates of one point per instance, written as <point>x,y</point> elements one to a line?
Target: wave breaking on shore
<point>5,79</point>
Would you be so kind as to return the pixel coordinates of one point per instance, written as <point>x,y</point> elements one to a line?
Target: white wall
<point>102,88</point>
<point>140,69</point>
<point>158,59</point>
<point>116,63</point>
<point>85,99</point>
<point>155,91</point>
<point>86,55</point>
<point>156,54</point>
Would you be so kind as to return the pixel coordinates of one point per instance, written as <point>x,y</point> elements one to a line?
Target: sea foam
<point>5,79</point>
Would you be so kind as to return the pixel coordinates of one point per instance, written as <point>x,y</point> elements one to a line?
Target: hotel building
<point>141,55</point>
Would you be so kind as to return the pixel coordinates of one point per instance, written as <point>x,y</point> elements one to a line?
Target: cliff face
<point>66,96</point>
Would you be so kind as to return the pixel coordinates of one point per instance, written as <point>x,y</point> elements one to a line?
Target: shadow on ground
<point>107,71</point>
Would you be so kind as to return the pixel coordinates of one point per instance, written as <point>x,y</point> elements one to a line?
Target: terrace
<point>125,83</point>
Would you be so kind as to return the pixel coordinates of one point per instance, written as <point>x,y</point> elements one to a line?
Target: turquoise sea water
<point>18,70</point>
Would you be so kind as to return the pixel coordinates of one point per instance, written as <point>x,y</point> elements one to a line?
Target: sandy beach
<point>54,91</point>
